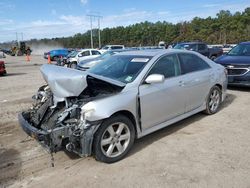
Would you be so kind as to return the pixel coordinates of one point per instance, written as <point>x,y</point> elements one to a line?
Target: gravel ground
<point>201,151</point>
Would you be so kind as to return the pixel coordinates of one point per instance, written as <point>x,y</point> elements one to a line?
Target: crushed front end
<point>58,117</point>
<point>56,125</point>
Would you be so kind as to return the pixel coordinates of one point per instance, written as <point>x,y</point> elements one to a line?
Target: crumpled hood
<point>64,82</point>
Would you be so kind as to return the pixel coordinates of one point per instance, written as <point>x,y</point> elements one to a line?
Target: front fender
<point>106,107</point>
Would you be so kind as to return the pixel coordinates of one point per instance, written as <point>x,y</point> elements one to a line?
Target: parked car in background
<point>111,47</point>
<point>6,51</point>
<point>72,54</point>
<point>202,48</point>
<point>56,54</point>
<point>225,47</point>
<point>2,68</point>
<point>127,96</point>
<point>88,63</point>
<point>237,62</point>
<point>81,55</point>
<point>2,55</point>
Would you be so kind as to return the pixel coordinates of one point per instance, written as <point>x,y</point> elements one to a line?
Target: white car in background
<point>111,47</point>
<point>81,55</point>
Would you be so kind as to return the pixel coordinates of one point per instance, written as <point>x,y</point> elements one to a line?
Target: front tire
<point>55,58</point>
<point>73,65</point>
<point>213,58</point>
<point>213,100</point>
<point>113,139</point>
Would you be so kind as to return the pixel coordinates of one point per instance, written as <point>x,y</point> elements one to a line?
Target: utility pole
<point>16,37</point>
<point>99,33</point>
<point>92,16</point>
<point>91,32</point>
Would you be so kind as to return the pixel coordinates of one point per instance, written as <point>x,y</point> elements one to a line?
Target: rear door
<point>196,75</point>
<point>160,102</point>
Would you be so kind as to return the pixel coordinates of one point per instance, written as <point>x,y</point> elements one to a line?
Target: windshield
<point>240,50</point>
<point>106,54</point>
<point>184,46</point>
<point>73,54</point>
<point>105,48</point>
<point>124,68</point>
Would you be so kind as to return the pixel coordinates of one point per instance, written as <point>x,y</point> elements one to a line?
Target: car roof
<point>88,49</point>
<point>61,49</point>
<point>114,45</point>
<point>153,52</point>
<point>248,42</point>
<point>191,43</point>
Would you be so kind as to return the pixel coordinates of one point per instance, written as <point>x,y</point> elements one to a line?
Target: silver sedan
<point>125,97</point>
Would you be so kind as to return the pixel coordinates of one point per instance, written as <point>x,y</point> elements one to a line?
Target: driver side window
<point>168,66</point>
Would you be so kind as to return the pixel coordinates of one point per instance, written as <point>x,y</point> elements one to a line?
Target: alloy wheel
<point>214,100</point>
<point>115,139</point>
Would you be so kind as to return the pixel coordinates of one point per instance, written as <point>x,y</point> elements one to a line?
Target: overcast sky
<point>58,18</point>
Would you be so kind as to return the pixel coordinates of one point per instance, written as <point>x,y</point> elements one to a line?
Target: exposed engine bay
<point>58,124</point>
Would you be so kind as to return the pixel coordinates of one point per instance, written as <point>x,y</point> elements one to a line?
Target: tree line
<point>225,28</point>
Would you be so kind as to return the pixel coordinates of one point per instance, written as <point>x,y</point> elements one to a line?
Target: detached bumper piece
<point>75,140</point>
<point>40,135</point>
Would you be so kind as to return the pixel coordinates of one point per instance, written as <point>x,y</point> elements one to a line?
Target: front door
<point>160,102</point>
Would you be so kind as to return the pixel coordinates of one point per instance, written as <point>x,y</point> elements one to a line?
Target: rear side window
<point>94,52</point>
<point>191,63</point>
<point>167,66</point>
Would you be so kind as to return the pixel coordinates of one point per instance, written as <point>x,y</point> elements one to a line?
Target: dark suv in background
<point>201,47</point>
<point>237,62</point>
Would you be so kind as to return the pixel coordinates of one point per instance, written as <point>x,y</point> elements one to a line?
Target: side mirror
<point>80,55</point>
<point>155,78</point>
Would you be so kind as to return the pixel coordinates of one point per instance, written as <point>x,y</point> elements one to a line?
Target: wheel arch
<point>221,89</point>
<point>219,86</point>
<point>129,115</point>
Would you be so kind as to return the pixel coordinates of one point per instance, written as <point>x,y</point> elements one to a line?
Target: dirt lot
<point>201,151</point>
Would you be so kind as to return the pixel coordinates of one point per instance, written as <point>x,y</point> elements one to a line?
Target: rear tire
<point>213,100</point>
<point>113,139</point>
